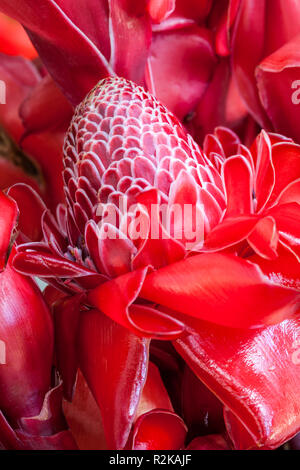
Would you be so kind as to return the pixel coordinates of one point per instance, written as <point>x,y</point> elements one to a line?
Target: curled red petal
<point>48,265</point>
<point>8,218</point>
<point>220,288</point>
<point>264,238</point>
<point>116,299</point>
<point>159,430</point>
<point>201,409</point>
<point>154,394</point>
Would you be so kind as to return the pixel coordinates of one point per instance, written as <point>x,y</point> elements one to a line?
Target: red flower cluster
<point>168,235</point>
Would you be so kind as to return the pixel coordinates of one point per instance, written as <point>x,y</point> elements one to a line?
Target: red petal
<point>28,202</point>
<point>66,321</point>
<point>64,48</point>
<point>26,334</point>
<point>229,232</point>
<point>159,430</point>
<point>20,76</point>
<point>238,181</point>
<point>84,418</point>
<point>265,173</point>
<point>115,299</point>
<point>188,68</point>
<point>240,437</point>
<point>14,40</point>
<point>45,108</point>
<point>201,410</point>
<point>264,238</point>
<point>160,9</point>
<point>11,174</point>
<point>268,26</point>
<point>222,289</point>
<point>254,373</point>
<point>112,356</point>
<point>287,220</point>
<point>286,161</point>
<point>291,193</point>
<point>129,51</point>
<point>47,265</point>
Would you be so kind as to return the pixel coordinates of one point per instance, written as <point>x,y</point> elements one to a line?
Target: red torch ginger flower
<point>123,145</point>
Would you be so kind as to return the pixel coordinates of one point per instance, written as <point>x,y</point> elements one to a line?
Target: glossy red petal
<point>114,363</point>
<point>154,394</point>
<point>291,193</point>
<point>116,299</point>
<point>287,220</point>
<point>48,265</point>
<point>254,373</point>
<point>220,288</point>
<point>159,430</point>
<point>193,9</point>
